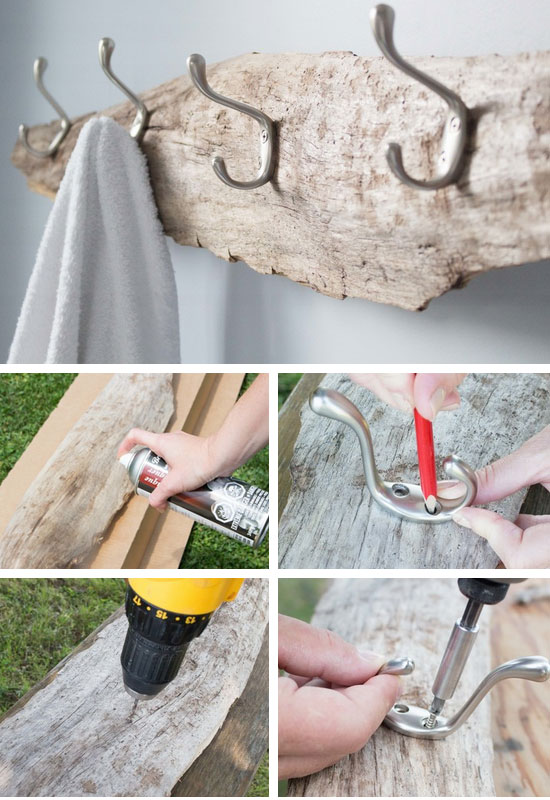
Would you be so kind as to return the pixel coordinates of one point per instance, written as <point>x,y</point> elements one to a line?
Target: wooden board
<point>67,508</point>
<point>227,766</point>
<point>384,616</point>
<point>75,733</point>
<point>330,519</point>
<point>334,217</point>
<point>521,726</point>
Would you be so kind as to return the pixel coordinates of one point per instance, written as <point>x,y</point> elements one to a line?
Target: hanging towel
<point>102,289</point>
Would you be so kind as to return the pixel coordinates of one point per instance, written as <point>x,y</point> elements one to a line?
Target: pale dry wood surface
<point>330,519</point>
<point>334,217</point>
<point>408,617</point>
<point>75,734</point>
<point>69,505</point>
<point>521,722</point>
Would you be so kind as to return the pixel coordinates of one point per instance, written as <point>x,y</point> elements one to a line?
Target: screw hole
<point>436,510</point>
<point>401,708</point>
<point>400,490</point>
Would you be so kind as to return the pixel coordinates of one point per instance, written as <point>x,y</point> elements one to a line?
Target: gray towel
<point>102,289</point>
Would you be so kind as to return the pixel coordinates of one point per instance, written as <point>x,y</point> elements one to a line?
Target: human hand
<point>525,543</point>
<point>331,701</point>
<point>428,392</point>
<point>189,457</point>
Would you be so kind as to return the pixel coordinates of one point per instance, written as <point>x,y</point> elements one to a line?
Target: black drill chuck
<point>155,645</point>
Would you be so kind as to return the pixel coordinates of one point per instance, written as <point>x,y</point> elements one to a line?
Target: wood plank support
<point>334,217</point>
<point>408,617</point>
<point>76,733</point>
<point>330,519</point>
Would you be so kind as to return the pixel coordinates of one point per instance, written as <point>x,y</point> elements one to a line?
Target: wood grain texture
<point>75,733</point>
<point>289,428</point>
<point>405,617</point>
<point>334,217</point>
<point>330,519</point>
<point>69,505</point>
<point>227,766</point>
<point>521,726</point>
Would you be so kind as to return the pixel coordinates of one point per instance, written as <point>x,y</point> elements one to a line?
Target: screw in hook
<point>430,722</point>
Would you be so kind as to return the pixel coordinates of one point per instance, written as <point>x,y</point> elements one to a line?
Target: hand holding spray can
<point>228,505</point>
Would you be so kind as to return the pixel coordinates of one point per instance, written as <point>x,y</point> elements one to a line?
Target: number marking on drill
<point>190,620</point>
<point>161,614</point>
<point>136,600</point>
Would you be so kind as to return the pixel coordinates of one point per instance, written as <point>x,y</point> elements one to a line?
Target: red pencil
<point>426,459</point>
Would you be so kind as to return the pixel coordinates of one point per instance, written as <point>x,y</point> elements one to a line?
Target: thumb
<point>318,653</point>
<point>169,486</point>
<point>504,537</point>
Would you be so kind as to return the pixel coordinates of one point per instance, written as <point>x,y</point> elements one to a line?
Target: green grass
<point>260,784</point>
<point>42,620</point>
<point>26,401</point>
<point>287,382</point>
<point>299,596</point>
<point>208,549</point>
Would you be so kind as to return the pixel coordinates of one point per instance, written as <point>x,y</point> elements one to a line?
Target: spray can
<point>228,505</point>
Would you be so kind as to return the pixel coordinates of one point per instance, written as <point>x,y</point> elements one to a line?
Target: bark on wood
<point>334,217</point>
<point>411,618</point>
<point>520,708</point>
<point>75,734</point>
<point>69,505</point>
<point>331,520</point>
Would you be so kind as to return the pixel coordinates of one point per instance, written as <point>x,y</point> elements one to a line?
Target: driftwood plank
<point>75,733</point>
<point>227,766</point>
<point>331,520</point>
<point>69,505</point>
<point>334,217</point>
<point>521,728</point>
<point>411,618</point>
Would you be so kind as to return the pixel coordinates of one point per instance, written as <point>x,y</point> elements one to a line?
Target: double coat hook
<point>404,499</point>
<point>197,70</point>
<point>411,720</point>
<point>39,67</point>
<point>106,49</point>
<point>451,158</point>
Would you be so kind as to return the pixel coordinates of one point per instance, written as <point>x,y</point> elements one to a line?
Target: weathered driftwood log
<point>330,519</point>
<point>76,733</point>
<point>334,217</point>
<point>68,507</point>
<point>409,618</point>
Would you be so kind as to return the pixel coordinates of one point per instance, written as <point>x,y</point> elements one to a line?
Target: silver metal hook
<point>197,70</point>
<point>404,499</point>
<point>106,49</point>
<point>411,720</point>
<point>38,69</point>
<point>456,127</point>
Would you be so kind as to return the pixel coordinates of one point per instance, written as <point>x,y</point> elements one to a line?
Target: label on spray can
<point>228,505</point>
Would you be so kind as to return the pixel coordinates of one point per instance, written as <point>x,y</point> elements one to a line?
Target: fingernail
<point>460,519</point>
<point>451,402</point>
<point>376,659</point>
<point>401,402</point>
<point>437,400</point>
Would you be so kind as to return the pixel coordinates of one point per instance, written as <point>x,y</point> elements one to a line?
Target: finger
<point>299,766</point>
<point>394,388</point>
<point>529,520</point>
<point>506,476</point>
<point>334,722</point>
<point>504,537</point>
<point>318,653</point>
<point>168,487</point>
<point>435,392</point>
<point>138,436</point>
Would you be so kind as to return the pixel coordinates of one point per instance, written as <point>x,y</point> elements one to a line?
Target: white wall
<point>229,313</point>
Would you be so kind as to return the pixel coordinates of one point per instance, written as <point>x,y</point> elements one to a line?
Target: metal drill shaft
<point>454,659</point>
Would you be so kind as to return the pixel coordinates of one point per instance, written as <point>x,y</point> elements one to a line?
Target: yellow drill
<point>164,616</point>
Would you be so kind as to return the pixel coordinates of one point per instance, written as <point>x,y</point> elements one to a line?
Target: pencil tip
<point>431,503</point>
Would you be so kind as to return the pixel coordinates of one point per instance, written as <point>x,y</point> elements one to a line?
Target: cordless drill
<point>480,592</point>
<point>164,616</point>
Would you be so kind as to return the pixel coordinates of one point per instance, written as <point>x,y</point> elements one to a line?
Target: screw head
<point>455,124</point>
<point>264,136</point>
